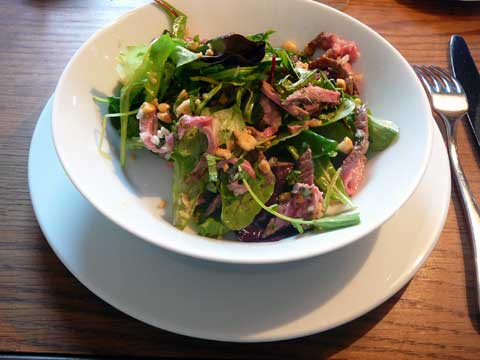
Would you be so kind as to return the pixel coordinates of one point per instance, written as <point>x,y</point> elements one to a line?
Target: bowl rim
<point>235,258</point>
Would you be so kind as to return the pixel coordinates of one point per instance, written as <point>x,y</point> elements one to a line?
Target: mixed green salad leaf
<point>263,140</point>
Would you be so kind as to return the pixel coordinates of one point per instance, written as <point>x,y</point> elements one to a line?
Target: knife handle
<point>469,204</point>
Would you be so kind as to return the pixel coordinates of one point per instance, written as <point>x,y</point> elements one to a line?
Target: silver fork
<point>448,99</point>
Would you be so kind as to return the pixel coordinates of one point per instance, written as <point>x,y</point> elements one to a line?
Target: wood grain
<point>44,309</point>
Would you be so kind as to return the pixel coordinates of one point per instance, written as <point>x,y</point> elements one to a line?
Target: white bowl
<point>129,196</point>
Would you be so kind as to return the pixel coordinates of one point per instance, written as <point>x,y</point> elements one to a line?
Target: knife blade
<point>464,69</point>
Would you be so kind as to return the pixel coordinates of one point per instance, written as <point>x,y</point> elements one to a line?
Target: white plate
<point>129,197</point>
<point>227,301</point>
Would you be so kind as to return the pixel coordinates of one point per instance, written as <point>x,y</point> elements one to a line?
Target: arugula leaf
<point>381,133</point>
<point>187,154</point>
<point>129,60</point>
<point>261,36</point>
<point>325,175</point>
<point>212,228</point>
<point>178,19</point>
<point>345,108</point>
<point>239,211</point>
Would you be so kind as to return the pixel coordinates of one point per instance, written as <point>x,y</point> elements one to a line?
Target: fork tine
<point>443,76</point>
<point>421,75</point>
<point>438,82</point>
<point>452,80</point>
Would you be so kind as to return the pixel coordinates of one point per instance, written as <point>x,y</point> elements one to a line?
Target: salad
<point>264,141</point>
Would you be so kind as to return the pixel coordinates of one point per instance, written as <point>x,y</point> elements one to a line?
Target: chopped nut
<point>301,65</point>
<point>209,52</point>
<point>163,107</point>
<point>162,204</point>
<point>183,94</point>
<point>313,122</point>
<point>192,45</point>
<point>205,96</point>
<point>155,102</point>
<point>185,200</point>
<point>290,46</point>
<point>284,197</point>
<point>230,144</point>
<point>272,161</point>
<point>198,102</point>
<point>225,167</point>
<point>318,211</point>
<point>246,141</point>
<point>345,146</point>
<point>223,99</point>
<point>264,167</point>
<point>165,117</point>
<point>148,108</point>
<point>340,83</point>
<point>223,153</point>
<point>184,108</point>
<point>199,55</point>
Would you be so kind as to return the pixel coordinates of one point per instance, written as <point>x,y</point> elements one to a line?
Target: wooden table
<point>45,310</point>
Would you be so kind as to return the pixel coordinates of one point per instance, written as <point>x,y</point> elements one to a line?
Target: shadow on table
<point>444,7</point>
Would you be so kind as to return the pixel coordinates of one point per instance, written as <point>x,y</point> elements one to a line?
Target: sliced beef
<point>206,124</point>
<point>306,202</point>
<point>292,109</point>
<point>305,165</point>
<point>353,167</point>
<point>312,95</point>
<point>334,46</point>
<point>336,69</point>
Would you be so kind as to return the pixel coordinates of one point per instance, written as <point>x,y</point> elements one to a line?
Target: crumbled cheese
<point>205,96</point>
<point>162,133</point>
<point>155,140</point>
<point>198,102</point>
<point>184,108</point>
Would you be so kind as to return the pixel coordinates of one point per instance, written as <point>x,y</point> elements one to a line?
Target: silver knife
<point>464,69</point>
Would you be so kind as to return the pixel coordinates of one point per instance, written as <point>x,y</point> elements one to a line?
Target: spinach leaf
<point>336,131</point>
<point>324,176</point>
<point>229,120</point>
<point>182,56</point>
<point>187,154</point>
<point>239,211</point>
<point>320,145</point>
<point>235,50</point>
<point>129,60</point>
<point>212,228</point>
<point>381,133</point>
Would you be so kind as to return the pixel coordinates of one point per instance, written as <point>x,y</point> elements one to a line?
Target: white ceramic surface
<point>234,302</point>
<point>129,197</point>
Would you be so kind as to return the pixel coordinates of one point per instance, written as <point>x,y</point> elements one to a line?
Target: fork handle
<point>469,204</point>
